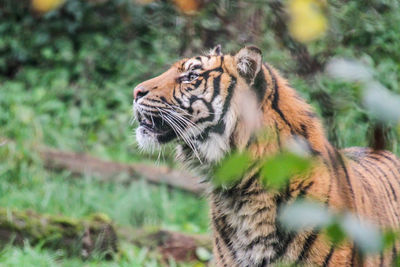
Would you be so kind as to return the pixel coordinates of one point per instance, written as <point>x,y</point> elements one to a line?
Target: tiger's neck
<point>285,117</point>
<point>244,217</point>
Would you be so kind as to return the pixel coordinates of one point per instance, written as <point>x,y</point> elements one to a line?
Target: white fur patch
<point>244,65</point>
<point>147,141</point>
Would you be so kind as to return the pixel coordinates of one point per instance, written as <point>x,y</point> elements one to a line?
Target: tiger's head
<point>206,103</point>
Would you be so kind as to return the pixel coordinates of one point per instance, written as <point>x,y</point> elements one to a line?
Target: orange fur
<point>244,217</point>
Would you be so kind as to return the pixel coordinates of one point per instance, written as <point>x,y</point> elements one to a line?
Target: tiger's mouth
<point>156,126</point>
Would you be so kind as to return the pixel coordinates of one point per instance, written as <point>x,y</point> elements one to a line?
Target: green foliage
<point>307,215</point>
<point>335,233</point>
<point>277,170</point>
<point>203,254</point>
<point>28,256</point>
<point>231,169</point>
<point>66,80</point>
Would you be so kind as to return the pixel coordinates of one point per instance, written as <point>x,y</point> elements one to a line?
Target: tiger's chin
<point>151,138</point>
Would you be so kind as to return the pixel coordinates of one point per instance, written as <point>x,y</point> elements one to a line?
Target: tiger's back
<point>375,177</point>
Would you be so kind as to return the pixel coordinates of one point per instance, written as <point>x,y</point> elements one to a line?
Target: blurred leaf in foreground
<point>366,235</point>
<point>384,104</point>
<point>335,233</point>
<point>306,215</point>
<point>307,19</point>
<point>389,238</point>
<point>203,254</point>
<point>277,170</point>
<point>348,70</point>
<point>43,6</point>
<point>231,169</point>
<point>377,99</point>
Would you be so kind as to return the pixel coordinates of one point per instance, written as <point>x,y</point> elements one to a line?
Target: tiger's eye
<point>193,76</point>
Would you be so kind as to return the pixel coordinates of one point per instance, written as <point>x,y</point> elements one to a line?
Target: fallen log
<point>80,164</point>
<point>77,237</point>
<point>83,237</point>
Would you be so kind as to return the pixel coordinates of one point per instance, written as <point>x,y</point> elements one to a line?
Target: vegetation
<point>66,80</point>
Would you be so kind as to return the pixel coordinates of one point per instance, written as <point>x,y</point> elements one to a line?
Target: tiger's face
<point>195,103</point>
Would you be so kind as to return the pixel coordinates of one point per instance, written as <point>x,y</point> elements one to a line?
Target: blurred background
<point>74,188</point>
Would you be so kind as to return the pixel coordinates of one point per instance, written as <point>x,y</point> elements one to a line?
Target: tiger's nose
<point>139,92</point>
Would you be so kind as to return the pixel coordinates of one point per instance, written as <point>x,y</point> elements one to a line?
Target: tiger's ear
<point>216,51</point>
<point>248,62</point>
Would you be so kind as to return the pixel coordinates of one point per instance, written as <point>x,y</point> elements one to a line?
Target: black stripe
<point>307,246</point>
<point>264,263</point>
<point>262,210</point>
<point>225,232</point>
<point>343,166</point>
<point>366,185</point>
<point>243,189</point>
<point>304,190</point>
<point>278,136</point>
<point>275,100</point>
<point>264,240</point>
<point>260,85</point>
<point>216,86</point>
<point>394,253</point>
<point>391,158</point>
<point>372,174</point>
<point>333,167</point>
<point>352,255</point>
<point>220,252</point>
<point>304,131</point>
<point>395,213</point>
<point>311,114</point>
<point>396,177</point>
<point>385,176</point>
<point>175,97</point>
<point>328,257</point>
<point>220,126</point>
<point>285,239</point>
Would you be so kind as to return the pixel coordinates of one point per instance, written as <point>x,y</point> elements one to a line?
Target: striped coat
<point>218,103</point>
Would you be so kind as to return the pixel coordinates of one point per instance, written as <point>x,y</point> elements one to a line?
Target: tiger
<point>214,104</point>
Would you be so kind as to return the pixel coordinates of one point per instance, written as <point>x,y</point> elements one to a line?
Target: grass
<point>81,117</point>
<point>28,256</point>
<point>26,185</point>
<point>81,101</point>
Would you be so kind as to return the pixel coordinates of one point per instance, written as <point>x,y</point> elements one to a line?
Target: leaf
<point>43,6</point>
<point>389,238</point>
<point>382,103</point>
<point>366,235</point>
<point>187,7</point>
<point>307,20</point>
<point>335,233</point>
<point>231,169</point>
<point>305,215</point>
<point>348,70</point>
<point>203,254</point>
<point>276,171</point>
